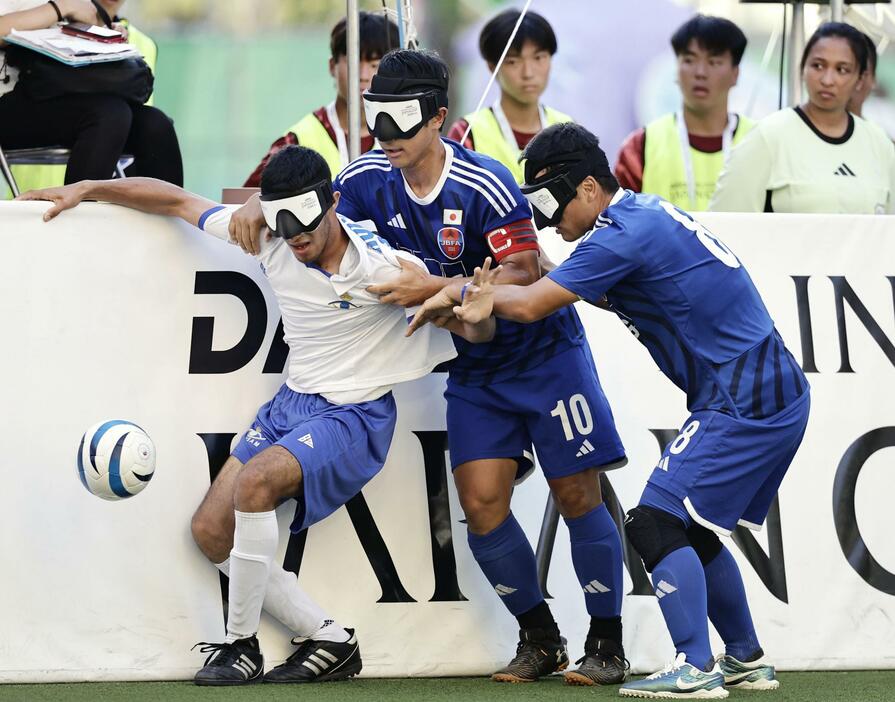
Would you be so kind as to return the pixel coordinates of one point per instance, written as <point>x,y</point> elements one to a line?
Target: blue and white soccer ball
<point>116,459</point>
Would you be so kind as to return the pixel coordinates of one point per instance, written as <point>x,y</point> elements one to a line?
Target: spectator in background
<point>868,81</point>
<point>679,156</point>
<point>32,177</point>
<point>97,129</point>
<point>816,157</point>
<point>324,130</point>
<point>144,43</point>
<point>504,129</point>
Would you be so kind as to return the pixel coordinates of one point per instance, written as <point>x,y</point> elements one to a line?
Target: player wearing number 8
<point>688,299</point>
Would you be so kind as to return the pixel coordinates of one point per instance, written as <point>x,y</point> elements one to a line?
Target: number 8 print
<point>682,439</point>
<point>713,244</point>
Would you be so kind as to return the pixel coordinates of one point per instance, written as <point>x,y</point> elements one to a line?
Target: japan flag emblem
<point>450,241</point>
<point>453,218</point>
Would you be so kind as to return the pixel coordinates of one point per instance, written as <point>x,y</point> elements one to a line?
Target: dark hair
<point>568,137</point>
<point>871,54</point>
<point>714,34</point>
<point>856,39</point>
<point>378,36</point>
<point>293,168</point>
<point>496,33</point>
<point>407,63</point>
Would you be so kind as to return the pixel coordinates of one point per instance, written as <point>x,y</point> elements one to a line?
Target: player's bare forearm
<point>521,268</point>
<point>144,194</point>
<point>412,287</point>
<point>479,333</point>
<point>546,263</point>
<point>532,302</point>
<point>434,285</point>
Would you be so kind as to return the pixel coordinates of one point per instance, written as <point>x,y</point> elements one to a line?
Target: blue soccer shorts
<point>721,471</point>
<point>339,447</point>
<point>558,406</point>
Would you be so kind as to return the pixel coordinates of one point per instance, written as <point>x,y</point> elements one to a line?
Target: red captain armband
<point>512,238</point>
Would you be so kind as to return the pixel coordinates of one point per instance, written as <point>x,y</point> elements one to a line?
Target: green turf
<point>872,686</point>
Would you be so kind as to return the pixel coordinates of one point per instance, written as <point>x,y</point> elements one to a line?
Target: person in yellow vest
<point>680,155</point>
<point>324,130</point>
<point>36,177</point>
<point>504,129</point>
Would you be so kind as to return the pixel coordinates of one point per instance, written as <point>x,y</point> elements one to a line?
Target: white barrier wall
<point>108,313</point>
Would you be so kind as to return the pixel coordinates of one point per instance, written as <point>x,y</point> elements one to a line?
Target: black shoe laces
<point>303,649</point>
<point>605,659</point>
<point>228,652</point>
<point>529,651</point>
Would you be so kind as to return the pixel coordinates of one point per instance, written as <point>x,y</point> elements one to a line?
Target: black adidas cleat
<point>604,663</point>
<point>539,653</point>
<point>237,663</point>
<point>319,661</point>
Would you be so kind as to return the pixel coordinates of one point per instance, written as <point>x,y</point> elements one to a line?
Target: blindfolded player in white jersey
<point>327,431</point>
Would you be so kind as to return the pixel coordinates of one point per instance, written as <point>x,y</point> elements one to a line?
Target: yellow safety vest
<point>34,177</point>
<point>664,173</point>
<point>312,134</point>
<point>489,139</point>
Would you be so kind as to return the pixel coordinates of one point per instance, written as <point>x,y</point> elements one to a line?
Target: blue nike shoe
<point>678,680</point>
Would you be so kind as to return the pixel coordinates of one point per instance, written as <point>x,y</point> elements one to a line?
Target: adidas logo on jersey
<point>307,440</point>
<point>585,449</point>
<point>504,590</point>
<point>397,222</point>
<point>844,170</point>
<point>664,588</point>
<point>595,587</point>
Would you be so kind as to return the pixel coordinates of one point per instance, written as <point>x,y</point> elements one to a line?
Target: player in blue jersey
<point>533,384</point>
<point>689,300</point>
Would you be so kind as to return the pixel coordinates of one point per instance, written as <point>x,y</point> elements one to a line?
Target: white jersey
<point>343,343</point>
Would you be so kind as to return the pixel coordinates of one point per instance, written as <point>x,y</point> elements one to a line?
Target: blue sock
<point>597,557</point>
<point>728,607</point>
<point>508,562</point>
<point>680,586</point>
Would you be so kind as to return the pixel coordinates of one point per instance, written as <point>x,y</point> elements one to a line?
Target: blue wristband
<point>463,290</point>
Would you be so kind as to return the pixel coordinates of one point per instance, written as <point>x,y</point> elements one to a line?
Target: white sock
<point>286,602</point>
<point>330,631</point>
<point>254,547</point>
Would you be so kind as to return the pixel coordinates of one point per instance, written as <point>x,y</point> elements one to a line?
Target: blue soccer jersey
<point>468,216</point>
<point>688,299</point>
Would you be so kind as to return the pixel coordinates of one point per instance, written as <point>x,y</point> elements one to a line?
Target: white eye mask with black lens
<point>550,194</point>
<point>397,108</point>
<point>290,214</point>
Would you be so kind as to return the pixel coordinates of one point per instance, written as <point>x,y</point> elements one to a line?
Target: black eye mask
<point>550,194</point>
<point>397,108</point>
<point>290,214</point>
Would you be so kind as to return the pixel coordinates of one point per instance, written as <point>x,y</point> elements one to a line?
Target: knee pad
<point>705,542</point>
<point>654,534</point>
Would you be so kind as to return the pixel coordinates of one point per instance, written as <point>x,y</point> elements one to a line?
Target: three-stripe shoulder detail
<point>487,175</point>
<point>371,161</point>
<point>483,182</point>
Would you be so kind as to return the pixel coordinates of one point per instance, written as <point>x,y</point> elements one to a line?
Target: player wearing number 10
<point>688,299</point>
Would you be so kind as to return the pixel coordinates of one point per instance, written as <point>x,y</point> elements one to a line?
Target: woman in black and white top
<point>97,128</point>
<point>817,157</point>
